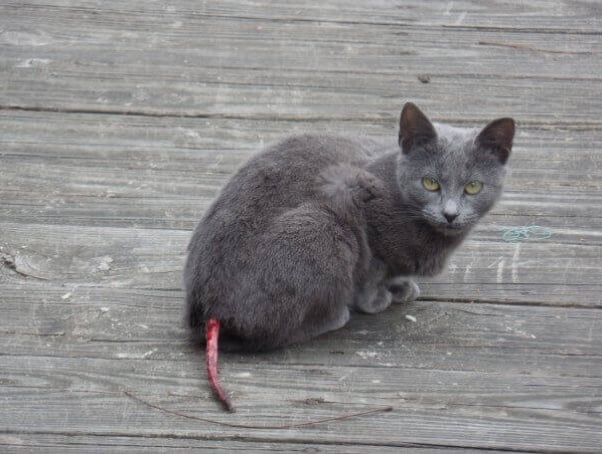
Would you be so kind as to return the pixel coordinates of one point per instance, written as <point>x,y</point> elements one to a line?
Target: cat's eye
<point>474,187</point>
<point>430,184</point>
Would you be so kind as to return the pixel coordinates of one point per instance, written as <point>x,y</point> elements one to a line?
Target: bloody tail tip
<point>212,335</point>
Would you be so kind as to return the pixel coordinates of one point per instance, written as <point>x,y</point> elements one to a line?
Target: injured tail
<point>212,335</point>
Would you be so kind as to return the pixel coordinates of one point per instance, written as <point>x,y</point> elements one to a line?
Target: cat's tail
<point>211,356</point>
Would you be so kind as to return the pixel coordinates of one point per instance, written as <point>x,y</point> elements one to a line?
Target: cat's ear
<point>414,128</point>
<point>497,136</point>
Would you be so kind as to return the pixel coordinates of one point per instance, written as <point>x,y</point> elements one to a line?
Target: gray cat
<point>318,226</point>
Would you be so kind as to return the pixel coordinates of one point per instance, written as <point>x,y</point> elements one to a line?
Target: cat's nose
<point>450,216</point>
<point>450,210</point>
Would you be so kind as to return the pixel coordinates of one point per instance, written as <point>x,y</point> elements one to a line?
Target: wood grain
<point>536,272</point>
<point>94,444</point>
<point>120,122</point>
<point>251,61</point>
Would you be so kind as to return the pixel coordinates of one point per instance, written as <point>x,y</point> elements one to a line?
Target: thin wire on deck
<point>266,427</point>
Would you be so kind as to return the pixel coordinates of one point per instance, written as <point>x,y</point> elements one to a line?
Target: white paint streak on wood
<point>500,271</point>
<point>467,272</point>
<point>515,263</point>
<point>452,267</point>
<point>33,62</point>
<point>241,374</point>
<point>460,18</point>
<point>448,9</point>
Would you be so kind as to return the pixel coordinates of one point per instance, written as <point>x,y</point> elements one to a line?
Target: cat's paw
<point>403,290</point>
<point>373,302</point>
<point>345,182</point>
<point>369,186</point>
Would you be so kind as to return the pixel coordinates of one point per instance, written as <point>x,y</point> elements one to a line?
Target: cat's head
<point>451,176</point>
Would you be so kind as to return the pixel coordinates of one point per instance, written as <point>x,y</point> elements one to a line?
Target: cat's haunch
<point>317,226</point>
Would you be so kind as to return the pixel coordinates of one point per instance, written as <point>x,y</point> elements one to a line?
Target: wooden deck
<point>119,122</point>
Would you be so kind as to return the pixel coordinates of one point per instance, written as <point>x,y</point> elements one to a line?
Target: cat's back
<point>282,177</point>
<point>274,181</point>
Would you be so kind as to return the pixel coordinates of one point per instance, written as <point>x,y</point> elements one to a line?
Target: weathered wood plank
<point>540,272</point>
<point>446,408</point>
<point>544,15</point>
<point>93,444</point>
<point>461,375</point>
<point>114,324</point>
<point>210,74</point>
<point>574,16</point>
<point>162,173</point>
<point>312,103</point>
<point>81,390</point>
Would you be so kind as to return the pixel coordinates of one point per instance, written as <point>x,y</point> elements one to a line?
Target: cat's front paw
<point>374,301</point>
<point>403,289</point>
<point>352,183</point>
<point>368,187</point>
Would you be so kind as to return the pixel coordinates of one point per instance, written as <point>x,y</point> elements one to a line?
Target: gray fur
<point>317,225</point>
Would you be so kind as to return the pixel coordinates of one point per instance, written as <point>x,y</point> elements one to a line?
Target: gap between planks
<point>546,125</point>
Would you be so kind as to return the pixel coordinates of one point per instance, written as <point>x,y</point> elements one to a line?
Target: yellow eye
<point>430,184</point>
<point>474,187</point>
